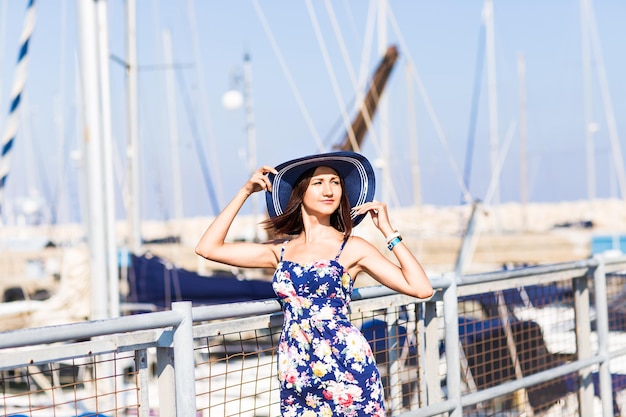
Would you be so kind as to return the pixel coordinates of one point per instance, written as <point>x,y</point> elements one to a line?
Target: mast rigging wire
<point>367,47</point>
<point>340,41</point>
<point>471,131</point>
<point>329,68</point>
<point>429,107</point>
<point>501,156</point>
<point>607,103</point>
<point>333,77</point>
<point>358,88</point>
<point>290,81</point>
<point>352,25</point>
<point>206,173</point>
<point>37,176</point>
<point>207,123</point>
<point>60,119</point>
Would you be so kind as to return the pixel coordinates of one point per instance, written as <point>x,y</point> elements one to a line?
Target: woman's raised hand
<point>378,212</point>
<point>259,180</point>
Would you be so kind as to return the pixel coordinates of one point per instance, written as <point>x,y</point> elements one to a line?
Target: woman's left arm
<point>409,277</point>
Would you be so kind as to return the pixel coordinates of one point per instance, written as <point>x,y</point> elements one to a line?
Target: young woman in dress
<point>325,365</point>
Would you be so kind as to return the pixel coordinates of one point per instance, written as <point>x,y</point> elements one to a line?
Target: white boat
<point>65,301</point>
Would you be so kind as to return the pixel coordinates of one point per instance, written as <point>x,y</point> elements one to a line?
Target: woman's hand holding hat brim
<point>378,212</point>
<point>259,180</point>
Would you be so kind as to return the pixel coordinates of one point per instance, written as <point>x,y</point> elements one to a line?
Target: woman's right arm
<point>212,244</point>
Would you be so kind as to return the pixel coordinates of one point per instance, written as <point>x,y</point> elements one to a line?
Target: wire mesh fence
<point>540,344</point>
<point>236,374</point>
<point>236,371</point>
<point>96,385</point>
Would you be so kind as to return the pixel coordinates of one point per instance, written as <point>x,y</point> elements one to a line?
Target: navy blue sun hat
<point>354,168</point>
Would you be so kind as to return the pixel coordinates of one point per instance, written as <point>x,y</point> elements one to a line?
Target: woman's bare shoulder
<point>355,251</point>
<point>358,242</point>
<point>276,245</point>
<point>357,247</point>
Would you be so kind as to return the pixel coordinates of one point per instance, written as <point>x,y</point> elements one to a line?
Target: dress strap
<point>282,250</point>
<point>341,248</point>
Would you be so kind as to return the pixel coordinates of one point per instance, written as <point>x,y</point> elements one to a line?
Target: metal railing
<point>470,350</point>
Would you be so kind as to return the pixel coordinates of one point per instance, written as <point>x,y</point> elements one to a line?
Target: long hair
<point>290,222</point>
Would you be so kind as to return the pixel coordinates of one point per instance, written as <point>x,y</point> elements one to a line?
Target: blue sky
<point>439,38</point>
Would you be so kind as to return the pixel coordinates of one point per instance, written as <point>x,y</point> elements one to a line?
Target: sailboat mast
<point>607,103</point>
<point>96,219</point>
<point>100,238</point>
<point>132,153</point>
<point>173,128</point>
<point>492,96</point>
<point>414,149</point>
<point>251,136</point>
<point>363,120</point>
<point>107,159</point>
<point>587,97</point>
<point>523,138</point>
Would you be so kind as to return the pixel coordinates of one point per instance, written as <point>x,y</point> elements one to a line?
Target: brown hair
<point>290,222</point>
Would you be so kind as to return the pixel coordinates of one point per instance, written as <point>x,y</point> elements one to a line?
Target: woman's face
<point>323,194</point>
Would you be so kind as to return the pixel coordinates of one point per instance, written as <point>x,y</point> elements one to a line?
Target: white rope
<point>429,108</point>
<point>19,80</point>
<point>3,28</point>
<point>290,80</point>
<point>60,185</point>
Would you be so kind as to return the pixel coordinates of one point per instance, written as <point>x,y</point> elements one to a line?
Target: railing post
<point>393,342</point>
<point>451,320</point>
<point>583,335</point>
<point>167,381</point>
<point>431,355</point>
<point>602,320</point>
<point>184,368</point>
<point>143,370</point>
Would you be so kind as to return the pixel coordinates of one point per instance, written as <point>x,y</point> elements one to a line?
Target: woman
<point>325,365</point>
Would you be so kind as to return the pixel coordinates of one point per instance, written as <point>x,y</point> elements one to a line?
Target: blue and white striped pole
<point>19,80</point>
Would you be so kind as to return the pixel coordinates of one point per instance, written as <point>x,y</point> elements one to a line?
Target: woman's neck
<point>315,232</point>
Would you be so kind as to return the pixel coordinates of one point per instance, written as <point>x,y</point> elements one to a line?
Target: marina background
<point>512,109</point>
<point>302,82</point>
<point>459,121</point>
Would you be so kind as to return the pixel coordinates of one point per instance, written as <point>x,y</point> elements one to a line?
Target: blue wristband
<point>394,242</point>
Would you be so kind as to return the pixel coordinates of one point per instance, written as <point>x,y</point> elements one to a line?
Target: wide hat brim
<point>354,168</point>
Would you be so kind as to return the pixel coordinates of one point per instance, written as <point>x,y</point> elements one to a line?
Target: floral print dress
<point>325,365</point>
